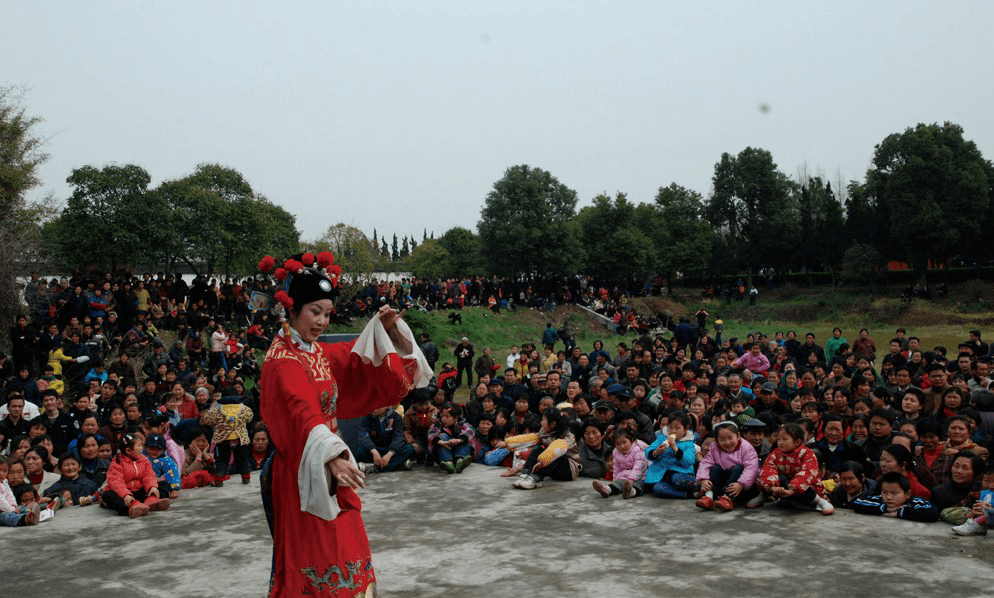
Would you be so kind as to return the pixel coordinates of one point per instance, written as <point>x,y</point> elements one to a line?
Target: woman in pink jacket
<point>132,488</point>
<point>728,471</point>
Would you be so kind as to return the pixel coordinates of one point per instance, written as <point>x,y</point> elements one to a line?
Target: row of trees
<point>925,200</point>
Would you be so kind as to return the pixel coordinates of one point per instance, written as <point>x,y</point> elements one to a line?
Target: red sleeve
<point>363,387</point>
<point>769,475</point>
<point>290,406</point>
<point>115,479</point>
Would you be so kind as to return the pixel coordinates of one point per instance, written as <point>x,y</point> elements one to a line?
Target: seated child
<point>672,459</point>
<point>28,505</point>
<point>741,411</point>
<point>166,470</point>
<point>895,500</point>
<point>559,457</point>
<point>13,514</point>
<point>982,512</point>
<point>630,464</point>
<point>853,484</point>
<point>495,450</point>
<point>131,485</point>
<point>198,463</point>
<point>728,470</point>
<point>898,458</point>
<point>72,488</point>
<point>791,473</point>
<point>449,439</point>
<point>417,421</point>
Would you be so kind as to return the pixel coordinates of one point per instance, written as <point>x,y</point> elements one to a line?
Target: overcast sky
<point>400,116</point>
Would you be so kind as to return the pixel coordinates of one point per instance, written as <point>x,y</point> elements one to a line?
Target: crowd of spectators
<point>899,430</point>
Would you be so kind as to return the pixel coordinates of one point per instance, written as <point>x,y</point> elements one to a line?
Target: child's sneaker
<point>160,505</point>
<point>705,502</point>
<point>367,468</point>
<point>602,488</point>
<point>448,467</point>
<point>528,483</point>
<point>970,528</point>
<point>137,510</point>
<point>85,501</point>
<point>246,479</point>
<point>406,466</point>
<point>33,516</point>
<point>756,501</point>
<point>724,504</point>
<point>462,464</point>
<point>628,490</point>
<point>824,506</point>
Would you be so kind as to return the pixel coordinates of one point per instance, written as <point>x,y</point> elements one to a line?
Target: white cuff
<point>374,344</point>
<point>313,481</point>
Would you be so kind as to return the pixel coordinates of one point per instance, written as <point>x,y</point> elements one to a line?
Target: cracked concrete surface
<point>472,534</point>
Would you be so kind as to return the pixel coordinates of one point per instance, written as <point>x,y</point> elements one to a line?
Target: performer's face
<point>312,319</point>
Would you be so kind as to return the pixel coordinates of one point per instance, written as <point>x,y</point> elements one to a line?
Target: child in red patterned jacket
<point>791,473</point>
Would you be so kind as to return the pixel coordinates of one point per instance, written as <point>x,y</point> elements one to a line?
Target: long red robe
<point>300,390</point>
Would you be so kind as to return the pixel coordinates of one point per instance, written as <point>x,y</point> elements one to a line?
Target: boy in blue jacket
<point>895,500</point>
<point>165,468</point>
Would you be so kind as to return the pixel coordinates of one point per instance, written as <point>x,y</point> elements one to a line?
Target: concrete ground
<point>473,535</point>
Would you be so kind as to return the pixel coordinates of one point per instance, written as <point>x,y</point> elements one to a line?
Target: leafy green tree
<point>430,260</point>
<point>110,219</point>
<point>753,210</point>
<point>394,251</point>
<point>931,188</point>
<point>615,250</point>
<point>529,208</point>
<point>405,250</point>
<point>861,264</point>
<point>682,239</point>
<point>822,224</point>
<point>384,250</point>
<point>20,221</point>
<point>463,248</point>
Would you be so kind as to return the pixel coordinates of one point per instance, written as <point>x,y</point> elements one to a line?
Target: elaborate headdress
<point>304,278</point>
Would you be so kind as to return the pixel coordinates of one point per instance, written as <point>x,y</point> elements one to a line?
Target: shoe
<point>55,504</point>
<point>756,502</point>
<point>448,467</point>
<point>33,515</point>
<point>970,528</point>
<point>602,488</point>
<point>528,483</point>
<point>367,468</point>
<point>85,501</point>
<point>137,510</point>
<point>246,479</point>
<point>705,502</point>
<point>824,506</point>
<point>462,464</point>
<point>406,466</point>
<point>160,505</point>
<point>217,483</point>
<point>628,490</point>
<point>724,504</point>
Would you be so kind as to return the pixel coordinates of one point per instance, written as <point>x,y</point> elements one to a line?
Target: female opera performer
<point>320,545</point>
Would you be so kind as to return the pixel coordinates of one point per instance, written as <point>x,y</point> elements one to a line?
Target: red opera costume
<point>320,548</point>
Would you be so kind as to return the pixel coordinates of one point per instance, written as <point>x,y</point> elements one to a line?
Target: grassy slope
<point>944,321</point>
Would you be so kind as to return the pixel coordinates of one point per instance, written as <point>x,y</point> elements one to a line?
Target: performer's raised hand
<point>389,316</point>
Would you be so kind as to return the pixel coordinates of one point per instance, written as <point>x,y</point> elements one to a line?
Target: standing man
<point>484,365</point>
<point>464,361</point>
<point>513,357</point>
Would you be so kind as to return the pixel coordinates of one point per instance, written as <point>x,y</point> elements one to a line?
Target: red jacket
<point>126,475</point>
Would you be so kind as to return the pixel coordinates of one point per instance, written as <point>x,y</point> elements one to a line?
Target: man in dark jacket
<point>380,442</point>
<point>430,350</point>
<point>549,336</point>
<point>464,362</point>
